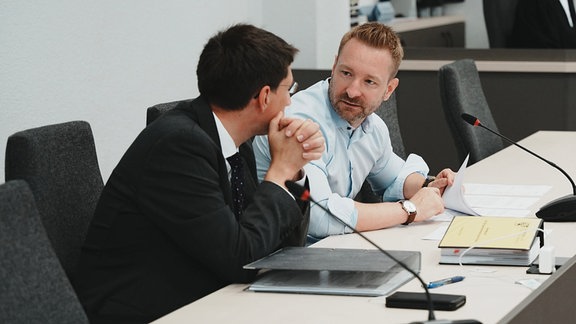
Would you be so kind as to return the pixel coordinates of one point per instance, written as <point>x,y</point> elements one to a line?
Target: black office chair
<point>152,113</point>
<point>33,286</point>
<point>59,163</point>
<point>388,111</point>
<point>499,19</point>
<point>461,92</point>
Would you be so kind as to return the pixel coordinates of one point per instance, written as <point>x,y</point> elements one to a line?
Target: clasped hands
<point>293,143</point>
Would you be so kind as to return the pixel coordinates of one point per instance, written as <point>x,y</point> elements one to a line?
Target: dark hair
<point>379,36</point>
<point>236,63</point>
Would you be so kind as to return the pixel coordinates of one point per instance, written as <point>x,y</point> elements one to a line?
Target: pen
<point>440,283</point>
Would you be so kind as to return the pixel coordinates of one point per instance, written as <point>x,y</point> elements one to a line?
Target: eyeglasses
<point>292,90</point>
<point>293,87</point>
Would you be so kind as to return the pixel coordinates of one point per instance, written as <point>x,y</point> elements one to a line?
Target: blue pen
<point>440,283</point>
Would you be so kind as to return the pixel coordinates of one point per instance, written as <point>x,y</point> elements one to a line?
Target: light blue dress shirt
<point>351,156</point>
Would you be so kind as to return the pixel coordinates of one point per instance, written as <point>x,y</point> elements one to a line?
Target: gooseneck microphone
<point>562,209</point>
<point>304,194</point>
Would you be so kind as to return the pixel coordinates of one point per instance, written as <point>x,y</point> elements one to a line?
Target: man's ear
<point>392,85</point>
<point>334,66</point>
<point>263,97</point>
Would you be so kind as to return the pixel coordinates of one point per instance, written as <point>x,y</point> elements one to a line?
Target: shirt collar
<point>228,146</point>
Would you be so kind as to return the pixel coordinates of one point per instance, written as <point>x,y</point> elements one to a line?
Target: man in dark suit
<point>165,231</point>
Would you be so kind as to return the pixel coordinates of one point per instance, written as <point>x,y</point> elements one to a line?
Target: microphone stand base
<point>562,209</point>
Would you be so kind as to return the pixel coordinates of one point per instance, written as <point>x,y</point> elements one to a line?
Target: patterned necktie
<point>237,183</point>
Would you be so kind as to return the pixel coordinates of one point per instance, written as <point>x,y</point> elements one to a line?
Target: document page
<point>454,195</point>
<point>489,199</point>
<point>503,200</point>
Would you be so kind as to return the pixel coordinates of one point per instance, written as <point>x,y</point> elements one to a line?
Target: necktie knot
<point>237,183</point>
<point>234,160</point>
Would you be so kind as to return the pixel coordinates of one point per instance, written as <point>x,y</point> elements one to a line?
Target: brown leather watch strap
<point>410,209</point>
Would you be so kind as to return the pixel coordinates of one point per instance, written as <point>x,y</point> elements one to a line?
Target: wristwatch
<point>410,208</point>
<point>428,180</point>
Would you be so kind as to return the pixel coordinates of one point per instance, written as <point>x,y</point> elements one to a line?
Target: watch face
<point>409,206</point>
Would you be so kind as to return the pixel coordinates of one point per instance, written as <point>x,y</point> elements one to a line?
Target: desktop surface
<point>492,292</point>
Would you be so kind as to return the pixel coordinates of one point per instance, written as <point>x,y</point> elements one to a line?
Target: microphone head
<point>298,191</point>
<point>470,119</point>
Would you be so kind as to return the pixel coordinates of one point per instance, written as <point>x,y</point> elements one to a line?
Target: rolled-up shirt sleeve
<point>322,223</point>
<point>413,164</point>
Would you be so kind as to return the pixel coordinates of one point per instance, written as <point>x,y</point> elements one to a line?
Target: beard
<point>352,110</point>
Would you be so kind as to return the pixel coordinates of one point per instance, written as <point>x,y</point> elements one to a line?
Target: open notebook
<point>334,271</point>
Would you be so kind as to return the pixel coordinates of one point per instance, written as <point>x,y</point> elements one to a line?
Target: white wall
<point>103,61</point>
<point>313,26</point>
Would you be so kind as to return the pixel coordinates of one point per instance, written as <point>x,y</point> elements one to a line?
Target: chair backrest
<point>152,113</point>
<point>33,285</point>
<point>499,19</point>
<point>59,163</point>
<point>388,111</point>
<point>461,92</point>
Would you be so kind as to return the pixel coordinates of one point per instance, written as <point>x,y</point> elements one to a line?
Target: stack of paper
<point>491,240</point>
<point>490,199</point>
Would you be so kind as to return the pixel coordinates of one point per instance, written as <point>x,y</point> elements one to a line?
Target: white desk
<point>490,295</point>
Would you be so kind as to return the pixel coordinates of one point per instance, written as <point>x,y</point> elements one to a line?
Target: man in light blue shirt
<point>358,146</point>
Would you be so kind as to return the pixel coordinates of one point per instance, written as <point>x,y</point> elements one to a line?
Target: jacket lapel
<point>199,110</point>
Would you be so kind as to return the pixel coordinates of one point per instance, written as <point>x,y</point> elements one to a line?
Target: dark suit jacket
<point>542,24</point>
<point>164,233</point>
